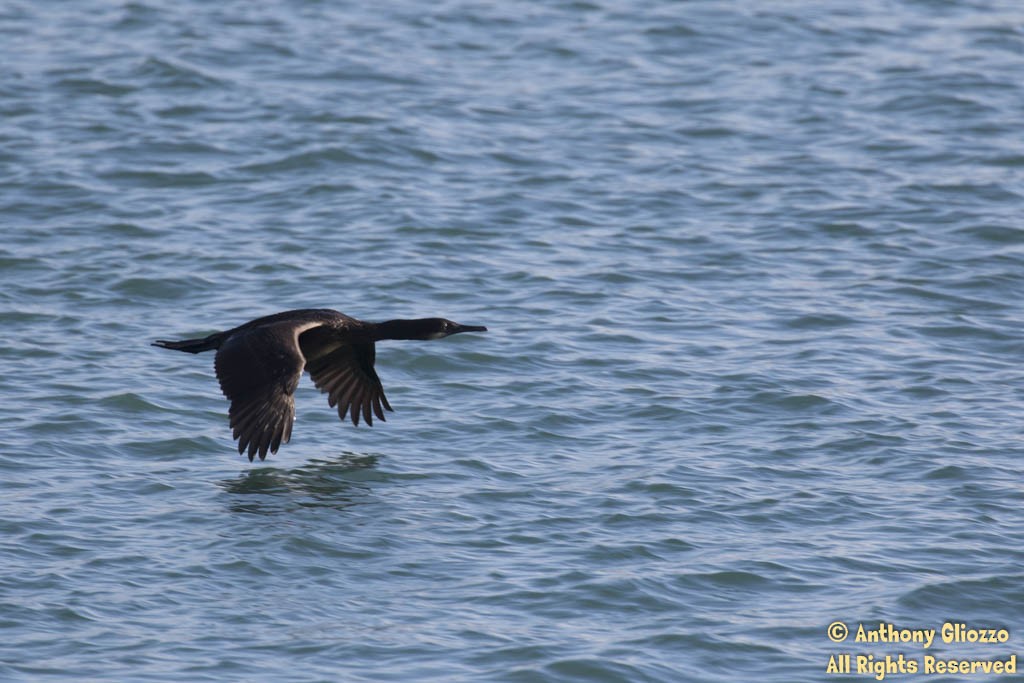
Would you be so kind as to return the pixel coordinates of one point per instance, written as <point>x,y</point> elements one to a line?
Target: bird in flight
<point>259,365</point>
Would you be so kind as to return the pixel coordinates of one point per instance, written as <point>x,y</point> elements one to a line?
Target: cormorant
<point>259,365</point>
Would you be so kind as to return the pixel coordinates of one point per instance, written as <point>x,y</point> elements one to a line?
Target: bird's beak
<point>468,328</point>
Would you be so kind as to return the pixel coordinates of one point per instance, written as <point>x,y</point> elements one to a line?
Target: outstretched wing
<point>258,369</point>
<point>347,376</point>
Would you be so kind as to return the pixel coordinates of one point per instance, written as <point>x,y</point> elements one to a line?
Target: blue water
<point>754,280</point>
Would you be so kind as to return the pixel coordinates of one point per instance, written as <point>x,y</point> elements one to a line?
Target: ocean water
<point>753,275</point>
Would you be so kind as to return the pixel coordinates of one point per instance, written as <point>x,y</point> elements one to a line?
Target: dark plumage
<point>259,365</point>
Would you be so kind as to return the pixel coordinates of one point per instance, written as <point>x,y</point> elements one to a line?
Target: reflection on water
<point>338,482</point>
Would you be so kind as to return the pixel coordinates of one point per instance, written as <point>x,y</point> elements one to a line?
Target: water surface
<point>753,275</point>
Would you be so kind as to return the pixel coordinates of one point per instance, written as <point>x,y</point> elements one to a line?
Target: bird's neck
<point>398,329</point>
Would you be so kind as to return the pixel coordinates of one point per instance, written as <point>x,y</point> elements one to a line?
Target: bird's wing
<point>258,369</point>
<point>347,376</point>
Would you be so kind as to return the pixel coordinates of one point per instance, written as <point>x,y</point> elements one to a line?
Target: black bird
<point>259,365</point>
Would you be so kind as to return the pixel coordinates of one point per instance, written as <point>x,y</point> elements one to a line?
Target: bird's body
<point>259,365</point>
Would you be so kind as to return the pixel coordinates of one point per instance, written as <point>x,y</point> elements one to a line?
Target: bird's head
<point>423,328</point>
<point>438,328</point>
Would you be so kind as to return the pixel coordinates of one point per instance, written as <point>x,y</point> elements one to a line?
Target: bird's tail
<point>192,345</point>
